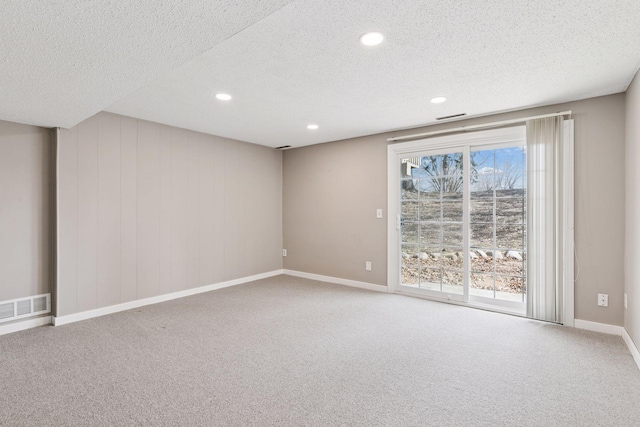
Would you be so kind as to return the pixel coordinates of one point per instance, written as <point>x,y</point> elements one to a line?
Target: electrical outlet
<point>379,213</point>
<point>625,300</point>
<point>603,300</point>
<point>284,252</point>
<point>367,266</point>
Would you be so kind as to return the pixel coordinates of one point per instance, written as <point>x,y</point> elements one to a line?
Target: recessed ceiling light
<point>438,100</point>
<point>223,96</point>
<point>312,127</point>
<point>371,39</point>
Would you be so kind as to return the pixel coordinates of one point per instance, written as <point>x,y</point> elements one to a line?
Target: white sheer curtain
<point>544,198</point>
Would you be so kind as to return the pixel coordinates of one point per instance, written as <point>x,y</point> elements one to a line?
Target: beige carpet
<point>288,351</point>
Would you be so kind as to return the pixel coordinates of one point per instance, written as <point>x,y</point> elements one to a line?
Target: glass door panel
<point>432,226</point>
<point>442,226</point>
<point>498,224</point>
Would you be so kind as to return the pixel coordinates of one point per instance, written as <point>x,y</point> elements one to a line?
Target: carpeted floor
<point>289,351</point>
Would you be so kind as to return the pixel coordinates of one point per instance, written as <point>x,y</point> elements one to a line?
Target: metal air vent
<point>451,117</point>
<point>25,307</point>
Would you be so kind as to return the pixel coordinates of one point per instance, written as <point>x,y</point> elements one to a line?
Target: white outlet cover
<point>379,213</point>
<point>603,300</point>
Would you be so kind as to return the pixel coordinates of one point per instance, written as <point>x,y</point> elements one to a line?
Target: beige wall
<point>146,209</point>
<point>331,192</point>
<point>632,213</point>
<point>26,175</point>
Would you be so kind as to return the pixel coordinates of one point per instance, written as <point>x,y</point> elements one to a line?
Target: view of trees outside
<point>432,215</point>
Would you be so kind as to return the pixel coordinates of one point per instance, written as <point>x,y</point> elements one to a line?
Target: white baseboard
<point>25,324</point>
<point>632,346</point>
<point>337,280</point>
<point>612,330</point>
<point>63,320</point>
<point>598,327</point>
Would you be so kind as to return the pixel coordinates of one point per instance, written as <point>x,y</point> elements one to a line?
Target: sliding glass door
<point>485,218</point>
<point>462,224</point>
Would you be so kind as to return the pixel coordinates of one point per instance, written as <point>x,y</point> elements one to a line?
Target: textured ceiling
<point>300,62</point>
<point>63,61</point>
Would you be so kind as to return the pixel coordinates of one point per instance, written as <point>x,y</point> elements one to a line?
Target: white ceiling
<point>291,63</point>
<point>63,61</point>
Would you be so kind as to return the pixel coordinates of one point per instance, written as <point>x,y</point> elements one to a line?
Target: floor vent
<point>25,307</point>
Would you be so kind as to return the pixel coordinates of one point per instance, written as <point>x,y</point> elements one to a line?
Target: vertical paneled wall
<point>26,197</point>
<point>146,209</point>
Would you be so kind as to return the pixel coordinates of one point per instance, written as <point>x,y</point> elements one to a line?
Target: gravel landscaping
<point>432,239</point>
